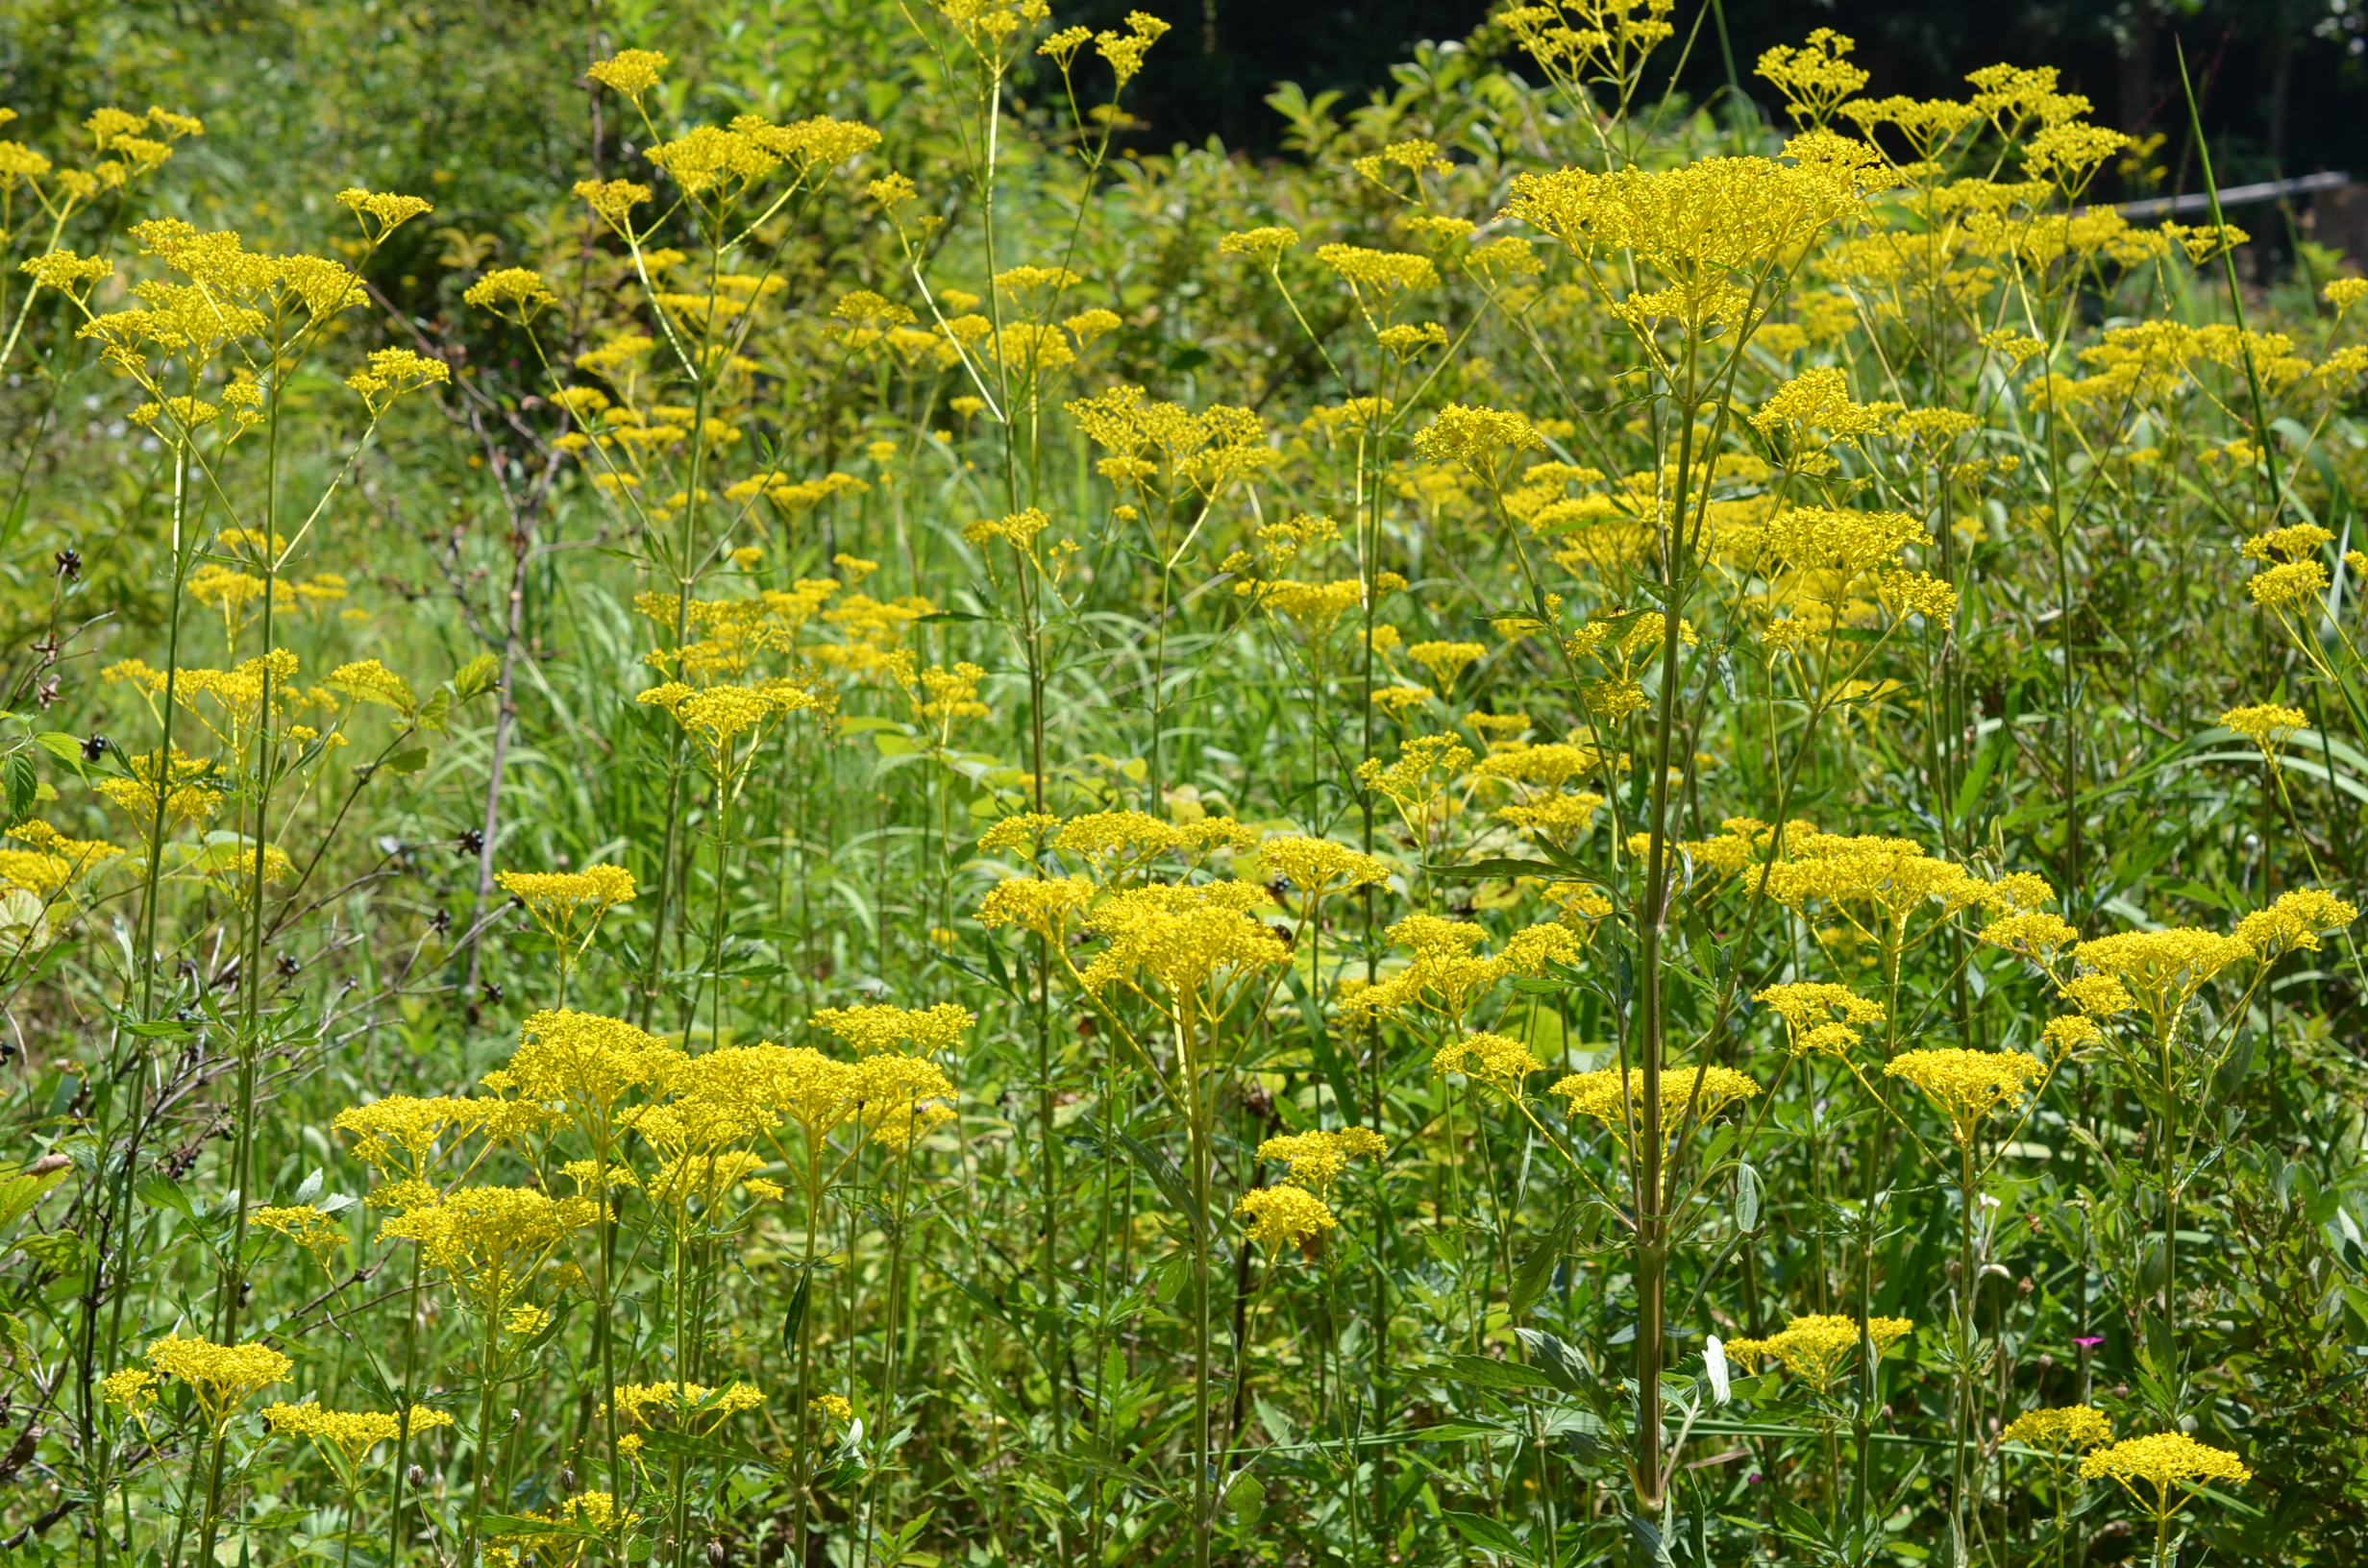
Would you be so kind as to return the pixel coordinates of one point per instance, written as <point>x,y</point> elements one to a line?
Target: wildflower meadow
<point>823,816</point>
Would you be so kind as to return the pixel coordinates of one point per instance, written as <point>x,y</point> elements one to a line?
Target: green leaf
<point>21,1189</point>
<point>1483,1372</point>
<point>1245,1498</point>
<point>57,1252</point>
<point>1483,1531</point>
<point>712,1450</point>
<point>519,1524</point>
<point>64,748</point>
<point>412,760</point>
<point>1552,1360</point>
<point>1747,1199</point>
<point>475,678</point>
<point>1171,1183</point>
<point>795,1318</point>
<point>1977,777</point>
<point>1498,866</point>
<point>1537,1271</point>
<point>1648,1538</point>
<point>163,1192</point>
<point>22,786</point>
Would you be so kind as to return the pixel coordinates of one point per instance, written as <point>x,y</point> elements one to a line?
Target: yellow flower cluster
<point>1183,941</point>
<point>490,1239</point>
<point>558,899</point>
<point>1318,1158</point>
<point>223,1376</point>
<point>1276,1217</point>
<point>1447,976</point>
<point>1813,1348</point>
<point>2172,1465</point>
<point>1503,1064</point>
<point>880,1027</point>
<point>2295,923</point>
<point>2162,969</point>
<point>2060,1431</point>
<point>353,1433</point>
<point>1702,1092</point>
<point>686,1402</point>
<point>1967,1086</point>
<point>1819,1016</point>
<point>1316,867</point>
<point>584,1061</point>
<point>2265,723</point>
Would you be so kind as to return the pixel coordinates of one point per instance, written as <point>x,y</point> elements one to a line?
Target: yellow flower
<point>310,1228</point>
<point>631,72</point>
<point>353,1433</point>
<point>1036,905</point>
<point>2034,934</point>
<point>1474,436</point>
<point>1600,1094</point>
<point>694,1406</point>
<point>2071,1032</point>
<point>1817,400</point>
<point>1267,244</point>
<point>1808,1010</point>
<point>2060,1431</point>
<point>558,899</point>
<point>1316,867</point>
<point>2295,923</point>
<point>2171,1467</point>
<point>1501,1063</point>
<point>1278,1215</point>
<point>835,1406</point>
<point>584,1060</point>
<point>1967,1086</point>
<point>400,1132</point>
<point>2162,969</point>
<point>223,1376</point>
<point>490,1239</point>
<point>1813,78</point>
<point>1318,1158</point>
<point>1813,1348</point>
<point>512,293</point>
<point>878,1027</point>
<point>2265,723</point>
<point>1188,943</point>
<point>133,1389</point>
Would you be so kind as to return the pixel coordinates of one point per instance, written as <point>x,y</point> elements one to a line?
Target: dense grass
<point>1172,816</point>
